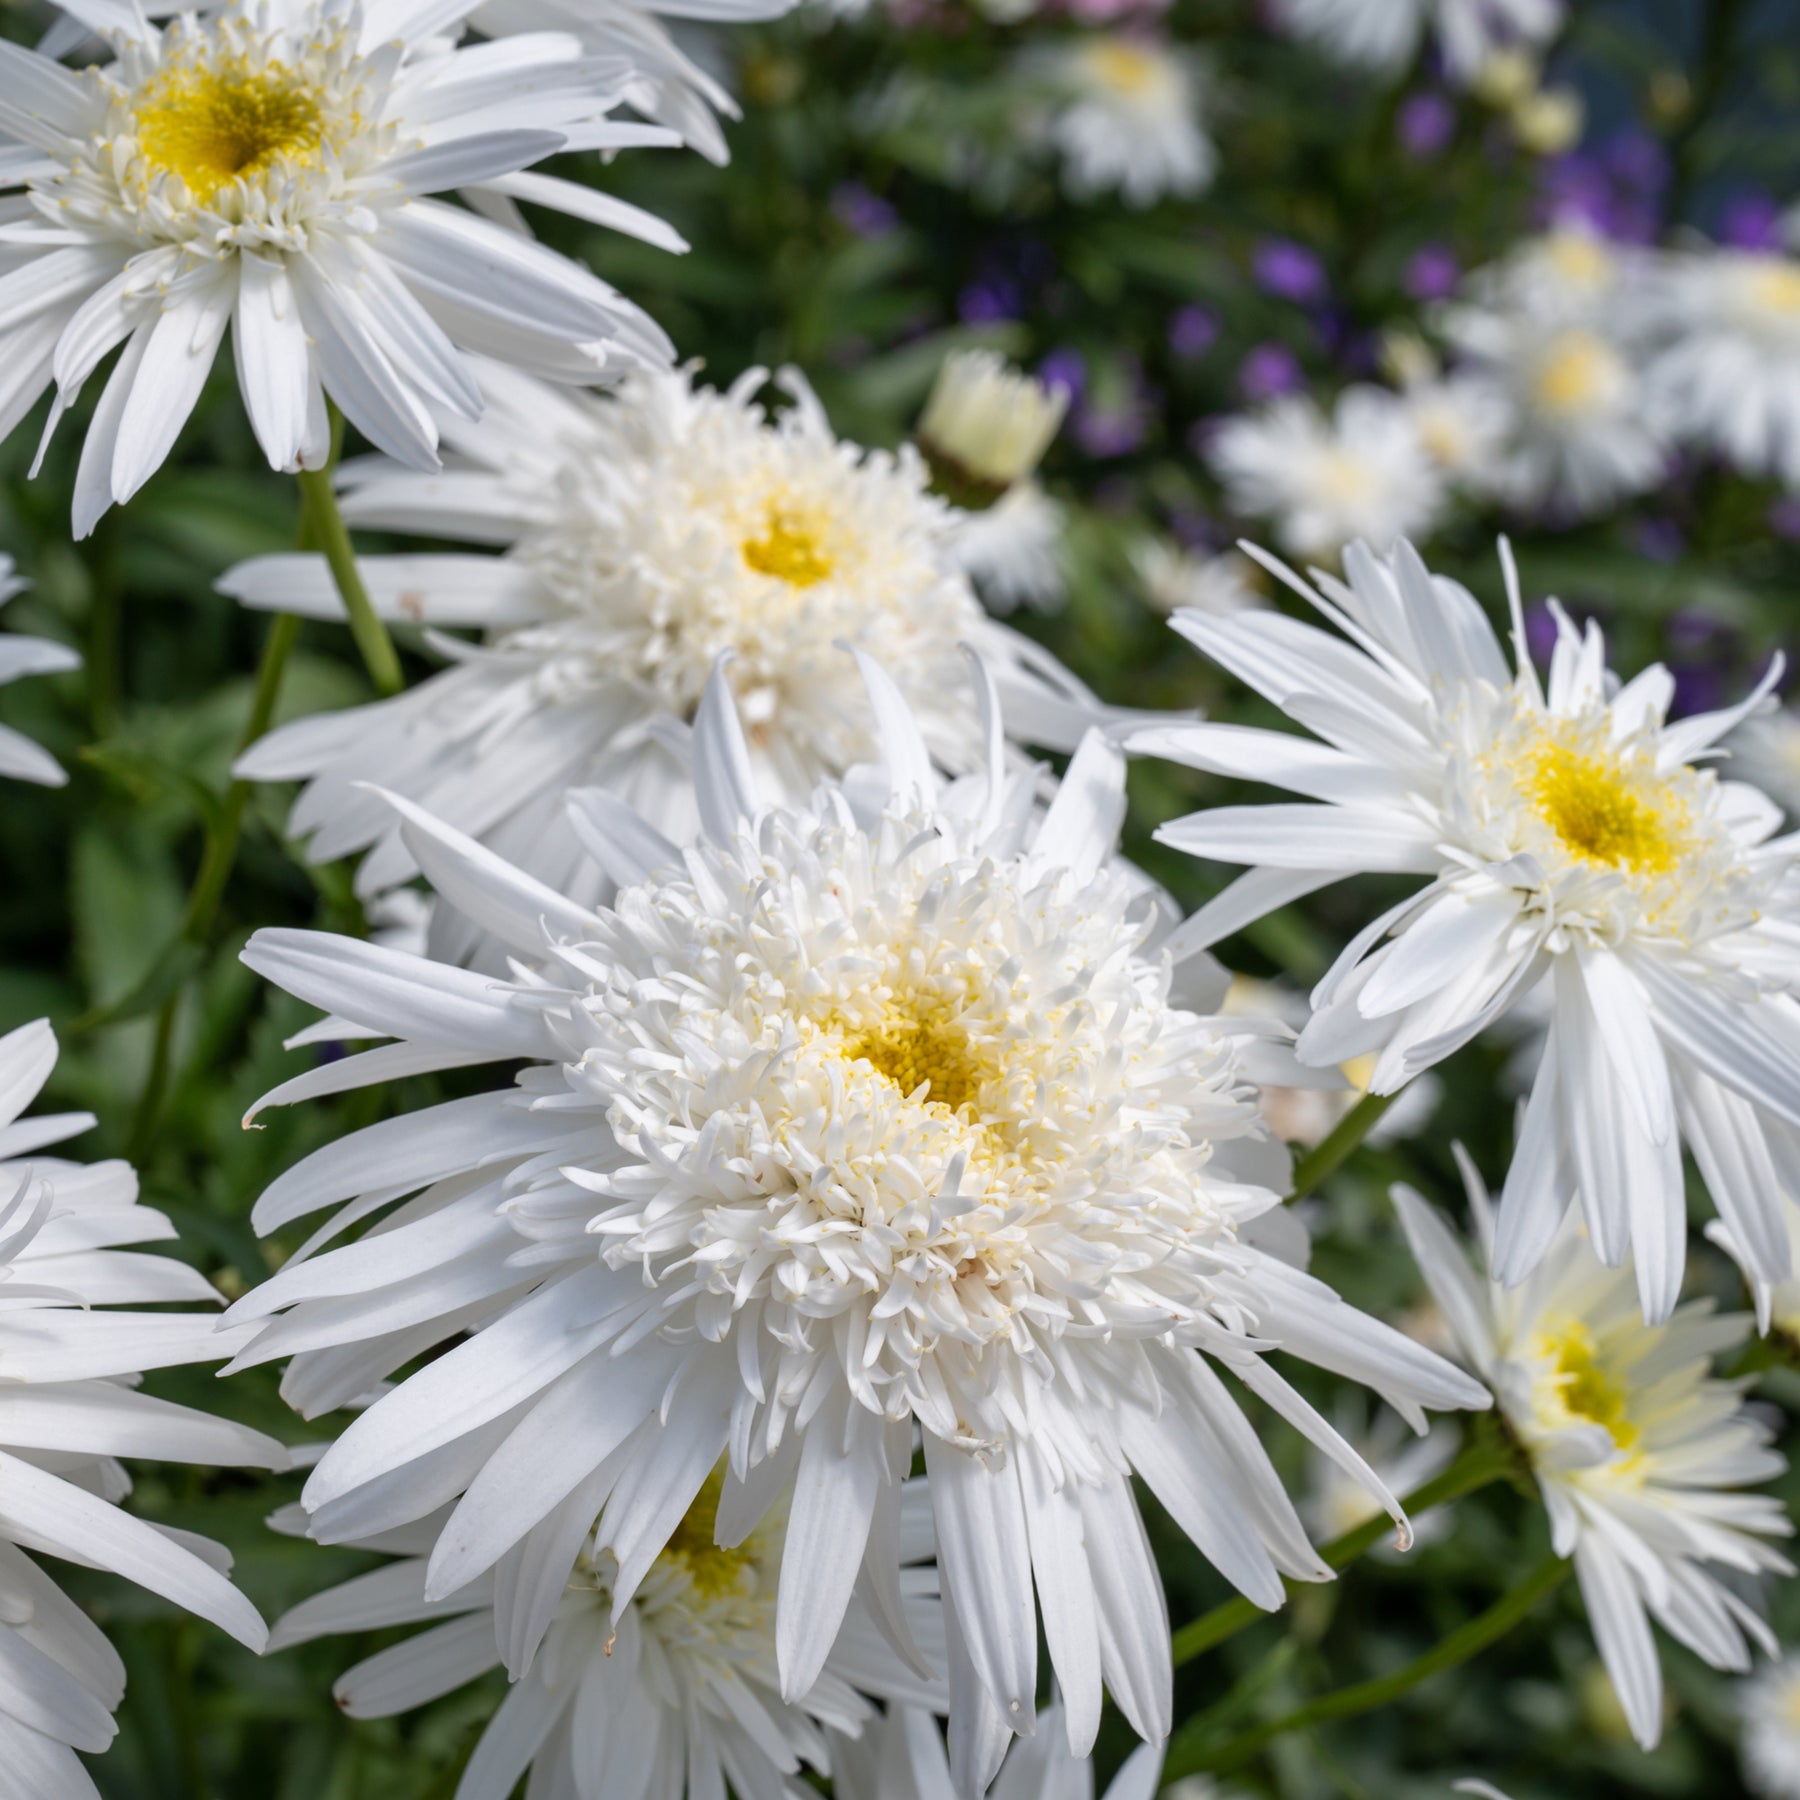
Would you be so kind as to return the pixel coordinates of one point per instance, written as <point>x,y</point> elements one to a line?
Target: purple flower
<point>1426,125</point>
<point>1192,332</point>
<point>1114,418</point>
<point>864,213</point>
<point>1660,540</point>
<point>993,301</point>
<point>1431,273</point>
<point>1540,631</point>
<point>1751,221</point>
<point>1289,271</point>
<point>1784,517</point>
<point>1065,369</point>
<point>1637,160</point>
<point>1699,687</point>
<point>1268,370</point>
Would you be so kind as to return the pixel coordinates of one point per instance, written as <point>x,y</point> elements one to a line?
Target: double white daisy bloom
<point>69,1409</point>
<point>270,166</point>
<point>645,532</point>
<point>1637,1450</point>
<point>856,1121</point>
<point>21,656</point>
<point>1569,834</point>
<point>666,1694</point>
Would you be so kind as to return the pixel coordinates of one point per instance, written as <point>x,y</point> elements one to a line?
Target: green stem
<point>325,524</point>
<point>1323,1158</point>
<point>1451,1652</point>
<point>1483,1461</point>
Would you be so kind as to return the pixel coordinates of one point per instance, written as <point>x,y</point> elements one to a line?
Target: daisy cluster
<point>784,1231</point>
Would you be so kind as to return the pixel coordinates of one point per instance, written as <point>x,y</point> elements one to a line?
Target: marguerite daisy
<point>21,656</point>
<point>1568,833</point>
<point>1725,374</point>
<point>1387,34</point>
<point>1770,1749</point>
<point>645,531</point>
<point>1324,479</point>
<point>268,166</point>
<point>859,1119</point>
<point>69,1408</point>
<point>669,1693</point>
<point>1637,1450</point>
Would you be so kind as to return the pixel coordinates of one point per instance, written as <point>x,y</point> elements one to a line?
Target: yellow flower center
<point>1601,813</point>
<point>714,1573</point>
<point>1578,1388</point>
<point>915,1048</point>
<point>212,126</point>
<point>1775,287</point>
<point>1578,259</point>
<point>1577,369</point>
<point>1343,479</point>
<point>1125,68</point>
<point>791,547</point>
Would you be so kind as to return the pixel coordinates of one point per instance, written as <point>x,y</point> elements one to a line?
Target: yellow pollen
<point>1600,815</point>
<point>212,126</point>
<point>1576,371</point>
<point>791,547</point>
<point>1125,68</point>
<point>910,1049</point>
<point>1582,1389</point>
<point>1775,287</point>
<point>714,1573</point>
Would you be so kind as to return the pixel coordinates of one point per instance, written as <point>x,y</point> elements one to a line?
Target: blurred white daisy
<point>21,656</point>
<point>1567,832</point>
<point>1173,577</point>
<point>646,531</point>
<point>70,1358</point>
<point>903,1758</point>
<point>1013,551</point>
<point>1387,34</point>
<point>670,1693</point>
<point>1126,116</point>
<point>1726,371</point>
<point>1323,479</point>
<point>1551,334</point>
<point>1639,1453</point>
<point>1770,1747</point>
<point>270,167</point>
<point>1766,750</point>
<point>1463,422</point>
<point>1333,1506</point>
<point>853,1120</point>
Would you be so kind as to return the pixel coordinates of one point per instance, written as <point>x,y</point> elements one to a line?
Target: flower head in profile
<point>1769,1751</point>
<point>1639,1453</point>
<point>855,1121</point>
<point>1125,116</point>
<point>1568,832</point>
<point>670,1693</point>
<point>1725,370</point>
<point>1326,479</point>
<point>70,1356</point>
<point>986,426</point>
<point>21,656</point>
<point>648,531</point>
<point>269,166</point>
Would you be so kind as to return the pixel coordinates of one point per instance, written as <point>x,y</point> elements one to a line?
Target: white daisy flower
<point>1726,373</point>
<point>1463,422</point>
<point>1173,578</point>
<point>903,1759</point>
<point>1770,1748</point>
<point>70,1357</point>
<point>1550,335</point>
<point>1334,1505</point>
<point>1013,551</point>
<point>853,1120</point>
<point>1387,34</point>
<point>1325,480</point>
<point>269,166</point>
<point>1637,1451</point>
<point>986,426</point>
<point>1126,117</point>
<point>672,1692</point>
<point>1766,751</point>
<point>1567,833</point>
<point>20,656</point>
<point>646,531</point>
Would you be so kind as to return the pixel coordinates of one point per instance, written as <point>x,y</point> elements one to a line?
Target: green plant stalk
<point>1482,1462</point>
<point>1468,1640</point>
<point>324,523</point>
<point>1323,1158</point>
